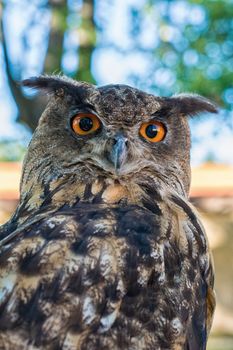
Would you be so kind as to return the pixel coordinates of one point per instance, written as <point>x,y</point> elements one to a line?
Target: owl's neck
<point>70,190</point>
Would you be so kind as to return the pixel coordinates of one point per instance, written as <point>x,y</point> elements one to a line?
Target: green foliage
<point>196,49</point>
<point>11,151</point>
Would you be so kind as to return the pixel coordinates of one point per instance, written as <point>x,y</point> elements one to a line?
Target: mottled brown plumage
<point>99,256</point>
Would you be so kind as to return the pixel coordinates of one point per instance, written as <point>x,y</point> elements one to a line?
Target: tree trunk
<point>30,108</point>
<point>87,42</point>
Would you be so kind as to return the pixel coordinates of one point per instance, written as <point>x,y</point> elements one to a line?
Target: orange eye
<point>153,131</point>
<point>85,123</point>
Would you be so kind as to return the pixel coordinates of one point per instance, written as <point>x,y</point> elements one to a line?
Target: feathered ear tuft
<point>54,84</point>
<point>190,104</point>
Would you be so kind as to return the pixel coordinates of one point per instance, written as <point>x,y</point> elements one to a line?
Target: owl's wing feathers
<point>67,275</point>
<point>96,278</point>
<point>204,302</point>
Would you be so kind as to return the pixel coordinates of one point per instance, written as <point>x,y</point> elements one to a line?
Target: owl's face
<point>114,131</point>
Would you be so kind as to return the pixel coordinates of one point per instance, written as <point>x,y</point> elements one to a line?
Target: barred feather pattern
<point>95,275</point>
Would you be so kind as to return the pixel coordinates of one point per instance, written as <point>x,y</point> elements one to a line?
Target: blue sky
<point>109,66</point>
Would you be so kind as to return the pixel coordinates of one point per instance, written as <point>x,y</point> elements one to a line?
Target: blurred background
<point>164,47</point>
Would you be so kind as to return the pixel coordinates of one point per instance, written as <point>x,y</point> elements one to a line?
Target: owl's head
<point>114,132</point>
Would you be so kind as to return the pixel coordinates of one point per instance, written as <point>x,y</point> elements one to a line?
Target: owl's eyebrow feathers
<point>185,104</point>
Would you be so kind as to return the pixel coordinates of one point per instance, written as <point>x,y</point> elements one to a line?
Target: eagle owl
<point>105,250</point>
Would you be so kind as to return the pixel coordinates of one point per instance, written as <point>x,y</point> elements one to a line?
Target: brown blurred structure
<point>212,194</point>
<point>9,188</point>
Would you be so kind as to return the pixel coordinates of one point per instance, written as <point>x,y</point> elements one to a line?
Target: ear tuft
<point>57,85</point>
<point>50,83</point>
<point>191,104</point>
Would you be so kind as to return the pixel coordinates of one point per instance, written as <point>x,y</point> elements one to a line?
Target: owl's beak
<point>119,151</point>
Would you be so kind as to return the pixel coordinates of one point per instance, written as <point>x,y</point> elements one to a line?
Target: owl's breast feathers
<point>104,273</point>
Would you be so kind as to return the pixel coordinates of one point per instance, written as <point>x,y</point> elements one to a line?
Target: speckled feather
<point>92,259</point>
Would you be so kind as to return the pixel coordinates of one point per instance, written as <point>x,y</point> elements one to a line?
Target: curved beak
<point>119,151</point>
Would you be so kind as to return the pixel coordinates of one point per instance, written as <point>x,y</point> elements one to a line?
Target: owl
<point>105,251</point>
